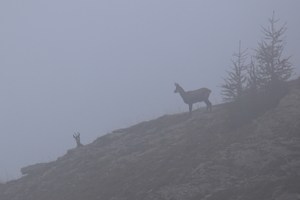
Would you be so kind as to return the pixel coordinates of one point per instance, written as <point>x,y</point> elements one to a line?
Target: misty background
<point>95,66</point>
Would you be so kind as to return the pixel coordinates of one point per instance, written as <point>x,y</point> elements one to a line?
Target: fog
<point>95,66</point>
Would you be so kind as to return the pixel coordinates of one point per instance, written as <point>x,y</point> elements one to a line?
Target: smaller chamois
<point>76,136</point>
<point>191,97</point>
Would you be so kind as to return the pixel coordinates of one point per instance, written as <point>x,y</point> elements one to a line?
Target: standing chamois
<point>191,97</point>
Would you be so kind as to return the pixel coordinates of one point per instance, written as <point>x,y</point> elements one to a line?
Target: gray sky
<point>95,66</point>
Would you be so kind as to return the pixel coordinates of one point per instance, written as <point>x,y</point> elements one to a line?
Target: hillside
<point>176,157</point>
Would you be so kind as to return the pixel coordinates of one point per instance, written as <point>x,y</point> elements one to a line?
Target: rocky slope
<point>176,157</point>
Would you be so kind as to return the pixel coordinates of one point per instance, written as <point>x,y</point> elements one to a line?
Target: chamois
<point>191,97</point>
<point>76,136</point>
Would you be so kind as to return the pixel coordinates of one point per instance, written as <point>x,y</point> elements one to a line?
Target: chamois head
<point>76,136</point>
<point>177,89</point>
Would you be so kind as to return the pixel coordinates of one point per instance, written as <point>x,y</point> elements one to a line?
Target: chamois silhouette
<point>76,136</point>
<point>191,97</point>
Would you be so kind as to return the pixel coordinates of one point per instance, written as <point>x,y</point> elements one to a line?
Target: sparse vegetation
<point>258,86</point>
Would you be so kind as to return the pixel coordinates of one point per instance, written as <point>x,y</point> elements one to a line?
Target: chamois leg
<point>208,105</point>
<point>190,108</point>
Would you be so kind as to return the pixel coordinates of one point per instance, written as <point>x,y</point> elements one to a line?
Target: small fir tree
<point>272,67</point>
<point>235,83</point>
